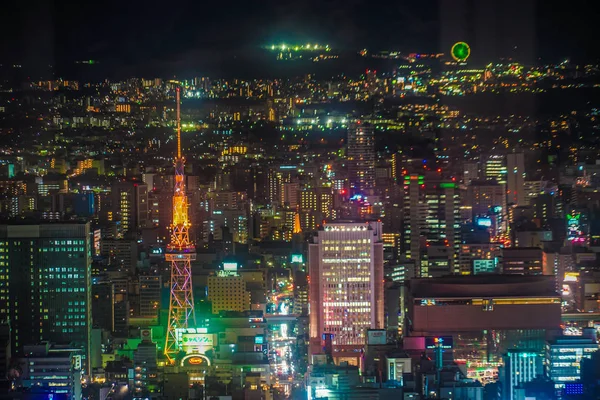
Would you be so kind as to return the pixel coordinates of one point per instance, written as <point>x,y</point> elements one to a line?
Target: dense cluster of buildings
<point>403,249</point>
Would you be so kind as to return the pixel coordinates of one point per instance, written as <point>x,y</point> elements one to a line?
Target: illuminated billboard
<point>230,266</point>
<point>376,336</point>
<point>97,240</point>
<point>484,222</point>
<point>485,266</point>
<point>203,339</point>
<point>195,360</point>
<point>574,229</point>
<point>444,342</point>
<point>297,258</point>
<point>571,277</point>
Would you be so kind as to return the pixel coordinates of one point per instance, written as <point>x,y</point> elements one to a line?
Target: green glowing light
<point>447,185</point>
<point>461,51</point>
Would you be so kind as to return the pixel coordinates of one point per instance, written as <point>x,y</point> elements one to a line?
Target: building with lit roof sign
<point>431,218</point>
<point>575,229</point>
<point>346,287</point>
<point>227,292</point>
<point>51,371</point>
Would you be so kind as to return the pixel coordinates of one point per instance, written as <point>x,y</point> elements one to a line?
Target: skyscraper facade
<point>520,366</point>
<point>346,287</point>
<point>361,156</point>
<point>495,168</point>
<point>564,355</point>
<point>130,203</point>
<point>45,283</point>
<point>431,221</point>
<point>483,195</point>
<point>150,295</point>
<point>515,178</point>
<point>227,292</point>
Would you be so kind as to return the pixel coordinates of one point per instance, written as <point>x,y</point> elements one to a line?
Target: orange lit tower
<point>180,253</point>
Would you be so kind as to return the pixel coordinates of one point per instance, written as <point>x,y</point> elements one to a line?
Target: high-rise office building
<point>495,168</point>
<point>103,305</point>
<point>150,294</point>
<point>431,221</point>
<point>277,178</point>
<point>413,219</point>
<point>470,172</point>
<point>121,253</point>
<point>228,200</point>
<point>145,366</point>
<point>130,205</point>
<point>564,355</point>
<point>290,194</point>
<point>478,258</point>
<point>160,204</point>
<point>483,195</point>
<point>325,202</point>
<point>121,307</point>
<point>361,156</point>
<point>236,222</point>
<point>346,287</point>
<point>515,178</point>
<point>522,261</point>
<point>5,354</point>
<point>51,371</point>
<point>45,283</point>
<point>520,366</point>
<point>227,292</point>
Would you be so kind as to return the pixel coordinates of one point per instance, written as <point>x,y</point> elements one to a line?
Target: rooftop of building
<point>341,222</point>
<point>32,220</point>
<point>47,349</point>
<point>587,338</point>
<point>486,286</point>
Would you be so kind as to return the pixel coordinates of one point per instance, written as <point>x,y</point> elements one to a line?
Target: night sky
<point>137,35</point>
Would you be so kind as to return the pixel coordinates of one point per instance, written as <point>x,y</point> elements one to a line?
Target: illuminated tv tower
<point>180,253</point>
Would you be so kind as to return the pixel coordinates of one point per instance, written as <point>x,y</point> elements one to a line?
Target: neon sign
<point>574,231</point>
<point>442,342</point>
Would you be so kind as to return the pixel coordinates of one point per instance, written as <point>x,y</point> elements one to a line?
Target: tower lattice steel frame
<point>180,253</point>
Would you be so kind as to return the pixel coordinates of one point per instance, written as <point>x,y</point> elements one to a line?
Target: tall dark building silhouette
<point>361,156</point>
<point>46,283</point>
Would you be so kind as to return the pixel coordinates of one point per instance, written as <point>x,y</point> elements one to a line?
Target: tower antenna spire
<point>178,94</point>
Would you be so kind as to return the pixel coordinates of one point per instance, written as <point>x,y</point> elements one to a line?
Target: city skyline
<point>299,201</point>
